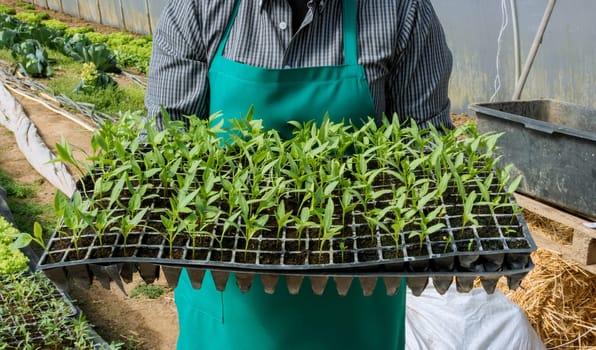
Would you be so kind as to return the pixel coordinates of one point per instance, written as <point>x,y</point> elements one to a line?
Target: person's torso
<point>262,36</point>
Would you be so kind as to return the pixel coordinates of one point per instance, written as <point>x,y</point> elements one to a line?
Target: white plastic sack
<point>467,321</point>
<point>13,117</point>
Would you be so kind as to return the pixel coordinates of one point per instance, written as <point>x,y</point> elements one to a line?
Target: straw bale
<point>559,299</point>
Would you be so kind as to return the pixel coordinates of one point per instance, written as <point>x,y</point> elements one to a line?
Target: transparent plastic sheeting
<point>14,118</point>
<point>475,320</point>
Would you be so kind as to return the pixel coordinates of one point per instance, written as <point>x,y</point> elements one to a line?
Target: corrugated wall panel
<point>155,8</point>
<point>89,10</point>
<point>136,18</point>
<point>71,7</point>
<point>111,13</point>
<point>55,5</point>
<point>41,3</point>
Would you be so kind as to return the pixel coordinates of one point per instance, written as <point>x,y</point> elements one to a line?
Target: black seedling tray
<point>15,321</point>
<point>501,246</point>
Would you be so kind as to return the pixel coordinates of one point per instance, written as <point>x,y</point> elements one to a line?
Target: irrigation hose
<point>52,108</point>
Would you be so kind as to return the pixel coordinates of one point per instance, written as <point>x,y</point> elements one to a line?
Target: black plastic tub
<point>552,144</point>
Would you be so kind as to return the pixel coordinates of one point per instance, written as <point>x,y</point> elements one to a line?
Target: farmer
<point>292,60</point>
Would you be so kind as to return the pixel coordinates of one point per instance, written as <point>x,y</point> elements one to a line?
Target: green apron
<point>231,319</point>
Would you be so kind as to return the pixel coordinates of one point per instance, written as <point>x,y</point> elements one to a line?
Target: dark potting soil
<point>107,240</point>
<point>295,258</point>
<point>390,254</point>
<point>253,244</point>
<point>344,244</point>
<point>180,239</point>
<point>152,239</point>
<point>463,233</point>
<point>246,258</point>
<point>223,255</point>
<point>343,257</point>
<point>467,245</point>
<point>60,244</point>
<point>78,254</point>
<point>441,248</point>
<point>197,254</point>
<point>487,231</point>
<point>416,249</point>
<point>103,252</point>
<point>270,245</point>
<point>518,244</point>
<point>316,258</point>
<point>366,242</point>
<point>269,259</point>
<point>318,244</point>
<point>144,252</point>
<point>368,255</point>
<point>512,231</point>
<point>131,239</point>
<point>491,244</point>
<point>176,253</point>
<point>296,246</point>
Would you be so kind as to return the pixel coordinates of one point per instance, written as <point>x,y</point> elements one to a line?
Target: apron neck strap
<point>350,31</point>
<point>349,26</point>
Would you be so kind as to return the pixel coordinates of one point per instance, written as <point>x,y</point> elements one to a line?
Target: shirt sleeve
<point>418,86</point>
<point>178,66</point>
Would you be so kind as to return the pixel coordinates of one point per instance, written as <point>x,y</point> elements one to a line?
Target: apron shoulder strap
<point>350,31</point>
<point>224,38</point>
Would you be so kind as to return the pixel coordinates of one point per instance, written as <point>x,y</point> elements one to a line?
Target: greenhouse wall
<point>138,16</point>
<point>563,69</point>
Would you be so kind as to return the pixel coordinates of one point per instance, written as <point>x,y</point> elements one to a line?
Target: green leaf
<point>514,184</point>
<point>22,240</point>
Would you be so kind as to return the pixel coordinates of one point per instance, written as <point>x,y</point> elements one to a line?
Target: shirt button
<point>283,25</point>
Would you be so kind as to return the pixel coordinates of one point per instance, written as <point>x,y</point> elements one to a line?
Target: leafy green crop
<point>55,24</point>
<point>11,260</point>
<point>32,17</point>
<point>7,10</point>
<point>32,58</point>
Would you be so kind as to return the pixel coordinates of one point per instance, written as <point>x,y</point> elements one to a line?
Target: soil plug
<point>514,281</point>
<point>368,285</point>
<point>442,283</point>
<point>99,272</point>
<point>126,271</point>
<point>220,278</point>
<point>342,285</point>
<point>244,281</point>
<point>58,276</point>
<point>417,284</point>
<point>172,275</point>
<point>294,283</point>
<point>318,284</point>
<point>269,283</point>
<point>113,272</point>
<point>392,285</point>
<point>489,284</point>
<point>196,277</point>
<point>80,275</point>
<point>148,271</point>
<point>464,284</point>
